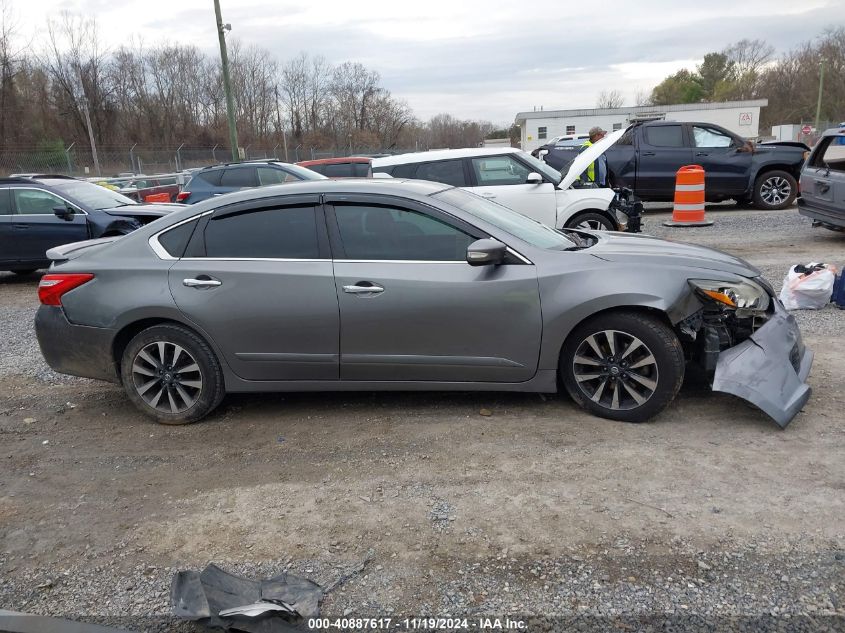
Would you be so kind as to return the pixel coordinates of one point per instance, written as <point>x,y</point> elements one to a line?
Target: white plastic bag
<point>810,291</point>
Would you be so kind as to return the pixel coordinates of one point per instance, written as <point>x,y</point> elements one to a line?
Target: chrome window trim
<point>41,215</point>
<point>162,254</point>
<point>249,259</point>
<point>156,246</point>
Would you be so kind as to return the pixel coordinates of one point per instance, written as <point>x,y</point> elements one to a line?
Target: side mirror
<point>486,252</point>
<point>534,178</point>
<point>542,154</point>
<point>64,213</point>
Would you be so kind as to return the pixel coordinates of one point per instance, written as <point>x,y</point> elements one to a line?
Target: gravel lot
<point>460,504</point>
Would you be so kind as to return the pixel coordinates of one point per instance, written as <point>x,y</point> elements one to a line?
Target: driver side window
<point>708,137</point>
<point>370,232</point>
<point>36,202</point>
<point>499,170</point>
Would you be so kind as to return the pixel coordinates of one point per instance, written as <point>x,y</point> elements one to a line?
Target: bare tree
<point>642,98</point>
<point>610,99</point>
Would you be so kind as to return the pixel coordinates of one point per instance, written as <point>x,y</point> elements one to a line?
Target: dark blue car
<point>38,213</point>
<point>219,179</point>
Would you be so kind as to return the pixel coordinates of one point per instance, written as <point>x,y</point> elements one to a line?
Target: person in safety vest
<point>596,173</point>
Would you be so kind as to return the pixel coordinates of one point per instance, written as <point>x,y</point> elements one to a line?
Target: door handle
<point>363,290</point>
<point>649,154</point>
<point>487,194</point>
<point>702,154</point>
<point>202,283</point>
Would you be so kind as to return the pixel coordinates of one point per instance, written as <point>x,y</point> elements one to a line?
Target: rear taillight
<point>182,196</point>
<point>52,287</point>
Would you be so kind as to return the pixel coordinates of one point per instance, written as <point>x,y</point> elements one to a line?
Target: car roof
<point>442,154</point>
<point>245,163</point>
<point>334,161</point>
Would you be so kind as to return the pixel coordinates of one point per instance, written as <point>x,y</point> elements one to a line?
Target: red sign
<point>806,129</point>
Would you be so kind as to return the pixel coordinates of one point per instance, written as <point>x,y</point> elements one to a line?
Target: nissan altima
<point>409,285</point>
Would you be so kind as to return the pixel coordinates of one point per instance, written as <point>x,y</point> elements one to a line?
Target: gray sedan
<point>409,285</point>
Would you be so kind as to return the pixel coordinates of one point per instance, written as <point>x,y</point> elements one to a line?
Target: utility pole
<point>88,122</point>
<point>821,87</point>
<point>227,85</point>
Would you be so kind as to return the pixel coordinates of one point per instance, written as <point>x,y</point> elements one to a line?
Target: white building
<point>539,127</point>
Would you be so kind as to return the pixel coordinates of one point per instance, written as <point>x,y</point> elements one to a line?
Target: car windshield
<point>516,224</point>
<point>552,174</point>
<point>303,173</point>
<point>91,195</point>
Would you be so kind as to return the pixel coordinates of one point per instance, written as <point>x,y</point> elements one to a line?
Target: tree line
<point>749,69</point>
<point>168,94</point>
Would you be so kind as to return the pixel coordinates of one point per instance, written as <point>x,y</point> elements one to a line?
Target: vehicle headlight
<point>743,295</point>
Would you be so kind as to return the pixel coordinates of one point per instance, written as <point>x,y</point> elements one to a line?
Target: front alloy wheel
<point>616,370</point>
<point>622,365</point>
<point>591,222</point>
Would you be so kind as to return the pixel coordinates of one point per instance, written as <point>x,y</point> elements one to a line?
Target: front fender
<point>123,226</point>
<point>570,298</point>
<point>574,201</point>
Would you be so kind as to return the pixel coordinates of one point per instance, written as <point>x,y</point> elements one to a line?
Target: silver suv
<point>823,181</point>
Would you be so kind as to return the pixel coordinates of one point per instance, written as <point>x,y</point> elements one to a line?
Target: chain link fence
<point>115,161</point>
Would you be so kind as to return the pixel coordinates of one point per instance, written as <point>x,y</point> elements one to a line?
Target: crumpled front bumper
<point>769,369</point>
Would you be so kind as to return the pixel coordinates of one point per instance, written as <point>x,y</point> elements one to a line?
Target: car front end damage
<point>742,336</point>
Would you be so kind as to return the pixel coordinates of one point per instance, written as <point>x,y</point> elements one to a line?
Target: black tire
<point>613,382</point>
<point>775,189</point>
<point>592,222</point>
<point>22,273</point>
<point>202,388</point>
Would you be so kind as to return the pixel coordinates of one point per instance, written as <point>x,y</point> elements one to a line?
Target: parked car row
<point>42,211</point>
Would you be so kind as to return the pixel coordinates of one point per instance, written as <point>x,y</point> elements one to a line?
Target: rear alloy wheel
<point>171,374</point>
<point>775,190</point>
<point>623,366</point>
<point>591,222</point>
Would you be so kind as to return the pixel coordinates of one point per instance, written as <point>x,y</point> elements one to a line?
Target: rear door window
<point>450,172</point>
<point>277,233</point>
<point>211,177</point>
<point>404,171</point>
<point>270,176</point>
<point>239,177</point>
<point>665,136</point>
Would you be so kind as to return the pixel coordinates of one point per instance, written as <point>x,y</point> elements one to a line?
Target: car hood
<point>156,210</point>
<point>644,249</point>
<point>583,160</point>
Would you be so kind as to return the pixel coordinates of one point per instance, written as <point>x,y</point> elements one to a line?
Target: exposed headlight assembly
<point>741,295</point>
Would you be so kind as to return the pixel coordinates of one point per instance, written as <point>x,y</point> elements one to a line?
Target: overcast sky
<point>474,59</point>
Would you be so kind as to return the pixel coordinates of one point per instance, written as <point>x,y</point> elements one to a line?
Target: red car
<point>346,167</point>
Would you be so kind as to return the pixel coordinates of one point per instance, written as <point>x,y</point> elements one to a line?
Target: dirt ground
<point>426,484</point>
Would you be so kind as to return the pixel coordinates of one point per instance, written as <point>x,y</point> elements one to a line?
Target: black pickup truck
<point>649,154</point>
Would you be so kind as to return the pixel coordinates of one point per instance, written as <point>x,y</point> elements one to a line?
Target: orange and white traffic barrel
<point>689,198</point>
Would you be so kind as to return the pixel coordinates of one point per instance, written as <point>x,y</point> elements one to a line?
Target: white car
<point>517,180</point>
